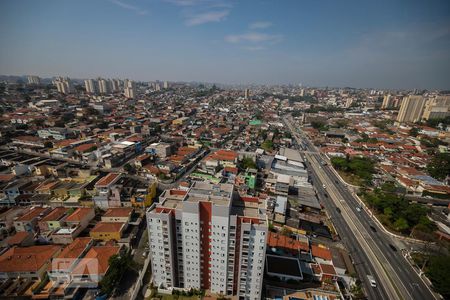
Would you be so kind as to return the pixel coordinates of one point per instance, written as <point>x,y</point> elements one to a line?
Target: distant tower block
<point>247,93</point>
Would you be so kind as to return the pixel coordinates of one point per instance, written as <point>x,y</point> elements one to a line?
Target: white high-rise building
<point>64,85</point>
<point>116,85</point>
<point>166,85</point>
<point>34,79</point>
<point>130,89</point>
<point>411,109</point>
<point>91,86</point>
<point>210,238</point>
<point>437,108</point>
<point>104,86</point>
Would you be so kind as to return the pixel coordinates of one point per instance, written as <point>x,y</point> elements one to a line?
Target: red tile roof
<point>31,214</point>
<point>18,238</point>
<point>86,147</point>
<point>55,214</point>
<point>107,227</point>
<point>72,251</point>
<point>96,261</point>
<point>79,214</point>
<point>118,212</point>
<point>286,243</point>
<point>105,181</point>
<point>27,259</point>
<point>321,252</point>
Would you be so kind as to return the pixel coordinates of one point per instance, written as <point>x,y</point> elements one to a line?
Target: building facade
<point>208,238</point>
<point>411,109</point>
<point>437,108</point>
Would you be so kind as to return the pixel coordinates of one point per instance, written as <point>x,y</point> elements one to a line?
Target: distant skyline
<point>378,44</point>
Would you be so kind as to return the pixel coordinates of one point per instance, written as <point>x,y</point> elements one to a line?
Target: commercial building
<point>437,108</point>
<point>55,133</point>
<point>208,238</point>
<point>411,109</point>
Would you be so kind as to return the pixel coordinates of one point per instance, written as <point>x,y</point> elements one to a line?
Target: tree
<point>438,271</point>
<point>439,166</point>
<point>267,145</point>
<point>414,131</point>
<point>320,125</point>
<point>401,225</point>
<point>117,266</point>
<point>247,162</point>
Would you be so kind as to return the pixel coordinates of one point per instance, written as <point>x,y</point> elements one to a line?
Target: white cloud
<point>260,25</point>
<point>207,17</point>
<point>131,7</point>
<point>253,37</point>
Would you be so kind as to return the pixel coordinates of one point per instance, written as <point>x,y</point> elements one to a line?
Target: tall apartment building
<point>348,102</point>
<point>91,86</point>
<point>130,89</point>
<point>116,85</point>
<point>437,108</point>
<point>411,109</point>
<point>208,238</point>
<point>104,86</point>
<point>34,79</point>
<point>64,85</point>
<point>388,102</point>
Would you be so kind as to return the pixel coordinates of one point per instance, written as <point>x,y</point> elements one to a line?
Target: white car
<point>324,186</point>
<point>358,209</point>
<point>372,281</point>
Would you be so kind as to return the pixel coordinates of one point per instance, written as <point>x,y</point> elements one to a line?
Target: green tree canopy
<point>438,271</point>
<point>439,166</point>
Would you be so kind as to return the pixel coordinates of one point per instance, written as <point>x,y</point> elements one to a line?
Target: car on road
<point>372,281</point>
<point>338,209</point>
<point>324,186</point>
<point>358,209</point>
<point>325,195</point>
<point>373,228</point>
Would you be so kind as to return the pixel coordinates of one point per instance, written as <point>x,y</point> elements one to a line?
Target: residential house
<point>53,220</point>
<point>75,224</point>
<point>28,222</point>
<point>107,231</point>
<point>27,262</point>
<point>118,214</point>
<point>69,257</point>
<point>88,274</point>
<point>107,195</point>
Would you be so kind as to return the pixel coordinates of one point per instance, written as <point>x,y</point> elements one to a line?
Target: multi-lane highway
<point>372,250</point>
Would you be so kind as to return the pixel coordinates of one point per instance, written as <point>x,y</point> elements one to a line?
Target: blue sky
<point>379,44</point>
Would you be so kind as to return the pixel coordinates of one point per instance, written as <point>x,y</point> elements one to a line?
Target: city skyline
<point>255,42</point>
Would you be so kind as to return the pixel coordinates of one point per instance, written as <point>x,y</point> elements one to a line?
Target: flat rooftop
<point>282,265</point>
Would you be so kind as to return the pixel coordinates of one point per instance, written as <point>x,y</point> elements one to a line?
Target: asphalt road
<point>368,244</point>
